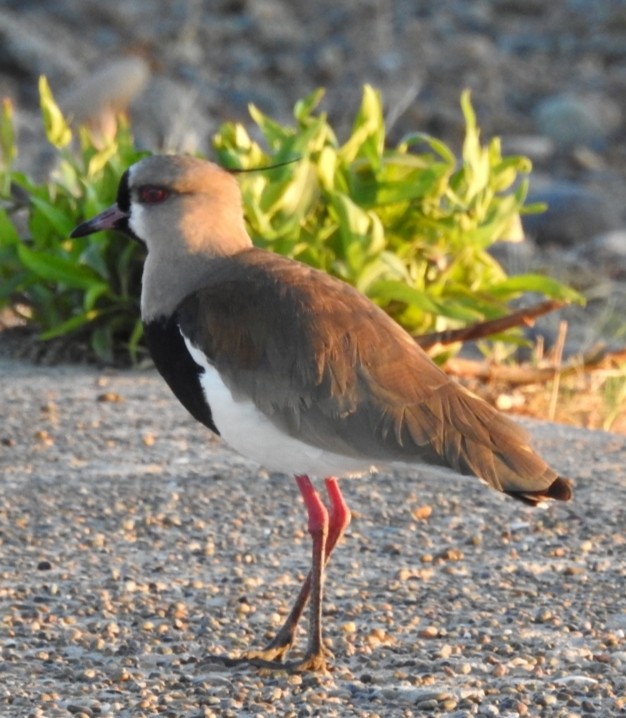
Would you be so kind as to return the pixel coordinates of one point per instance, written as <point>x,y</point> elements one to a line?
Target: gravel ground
<point>133,547</point>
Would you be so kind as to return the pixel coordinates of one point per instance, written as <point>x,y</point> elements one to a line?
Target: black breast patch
<point>177,367</point>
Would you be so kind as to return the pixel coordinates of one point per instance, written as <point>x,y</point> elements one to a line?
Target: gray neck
<point>165,286</point>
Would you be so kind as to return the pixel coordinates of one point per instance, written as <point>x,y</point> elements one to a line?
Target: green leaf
<point>135,338</point>
<point>415,186</point>
<point>275,133</point>
<point>368,132</point>
<point>93,294</point>
<point>540,283</point>
<point>354,222</point>
<point>8,234</point>
<point>58,132</point>
<point>54,268</point>
<point>7,133</point>
<point>303,109</point>
<point>71,325</point>
<point>100,160</point>
<point>437,146</point>
<point>327,167</point>
<point>390,290</point>
<point>102,343</point>
<point>58,219</point>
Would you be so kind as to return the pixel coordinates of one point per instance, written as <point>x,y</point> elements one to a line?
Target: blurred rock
<point>608,253</point>
<point>275,23</point>
<point>574,214</point>
<point>572,119</point>
<point>515,257</point>
<point>105,93</point>
<point>30,49</point>
<point>535,147</point>
<point>169,116</point>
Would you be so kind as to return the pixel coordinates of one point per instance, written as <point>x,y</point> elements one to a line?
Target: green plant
<point>85,288</point>
<point>409,226</point>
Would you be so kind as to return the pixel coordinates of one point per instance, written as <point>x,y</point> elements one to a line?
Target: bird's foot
<point>269,654</point>
<point>272,656</point>
<point>272,660</point>
<point>276,650</point>
<point>311,663</point>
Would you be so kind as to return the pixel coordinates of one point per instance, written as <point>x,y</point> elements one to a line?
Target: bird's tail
<point>560,490</point>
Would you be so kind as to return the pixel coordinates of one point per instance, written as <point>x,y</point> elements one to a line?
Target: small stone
<point>44,438</point>
<point>574,213</point>
<point>110,397</point>
<point>488,710</point>
<point>547,700</point>
<point>429,705</point>
<point>544,615</point>
<point>450,554</point>
<point>79,710</point>
<point>574,570</point>
<point>449,704</point>
<point>429,632</point>
<point>421,513</point>
<point>44,565</point>
<point>570,119</point>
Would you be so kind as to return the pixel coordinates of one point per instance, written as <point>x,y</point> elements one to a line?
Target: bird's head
<point>188,212</point>
<point>172,202</point>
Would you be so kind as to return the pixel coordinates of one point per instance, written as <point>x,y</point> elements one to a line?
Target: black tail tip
<point>559,490</point>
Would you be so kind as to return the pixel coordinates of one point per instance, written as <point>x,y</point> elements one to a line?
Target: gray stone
<point>106,91</point>
<point>574,213</point>
<point>608,252</point>
<point>576,119</point>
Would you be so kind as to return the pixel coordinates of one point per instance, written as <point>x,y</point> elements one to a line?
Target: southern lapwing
<point>295,369</point>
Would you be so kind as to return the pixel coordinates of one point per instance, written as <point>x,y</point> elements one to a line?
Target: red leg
<point>338,521</point>
<point>318,528</point>
<point>339,514</point>
<point>321,524</point>
<point>316,511</point>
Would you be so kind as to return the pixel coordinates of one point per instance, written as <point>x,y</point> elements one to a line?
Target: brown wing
<point>333,370</point>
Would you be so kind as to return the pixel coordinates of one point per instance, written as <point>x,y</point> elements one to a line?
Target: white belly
<point>252,434</point>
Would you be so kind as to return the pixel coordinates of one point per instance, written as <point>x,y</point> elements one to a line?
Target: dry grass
<point>594,399</point>
<point>586,392</point>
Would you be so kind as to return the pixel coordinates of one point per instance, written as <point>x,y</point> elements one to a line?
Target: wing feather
<point>335,371</point>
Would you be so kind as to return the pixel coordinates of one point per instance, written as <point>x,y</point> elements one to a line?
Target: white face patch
<point>251,433</point>
<point>137,222</point>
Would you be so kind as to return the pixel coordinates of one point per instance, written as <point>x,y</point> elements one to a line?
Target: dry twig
<point>525,317</point>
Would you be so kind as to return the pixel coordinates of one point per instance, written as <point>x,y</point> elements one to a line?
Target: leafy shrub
<point>409,226</point>
<point>86,288</point>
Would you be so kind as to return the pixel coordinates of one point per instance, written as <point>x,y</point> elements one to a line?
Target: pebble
<point>573,119</point>
<point>574,215</point>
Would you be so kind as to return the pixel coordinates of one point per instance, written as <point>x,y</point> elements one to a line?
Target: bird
<point>298,370</point>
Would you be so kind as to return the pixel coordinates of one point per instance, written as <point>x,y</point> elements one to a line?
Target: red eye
<point>149,194</point>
